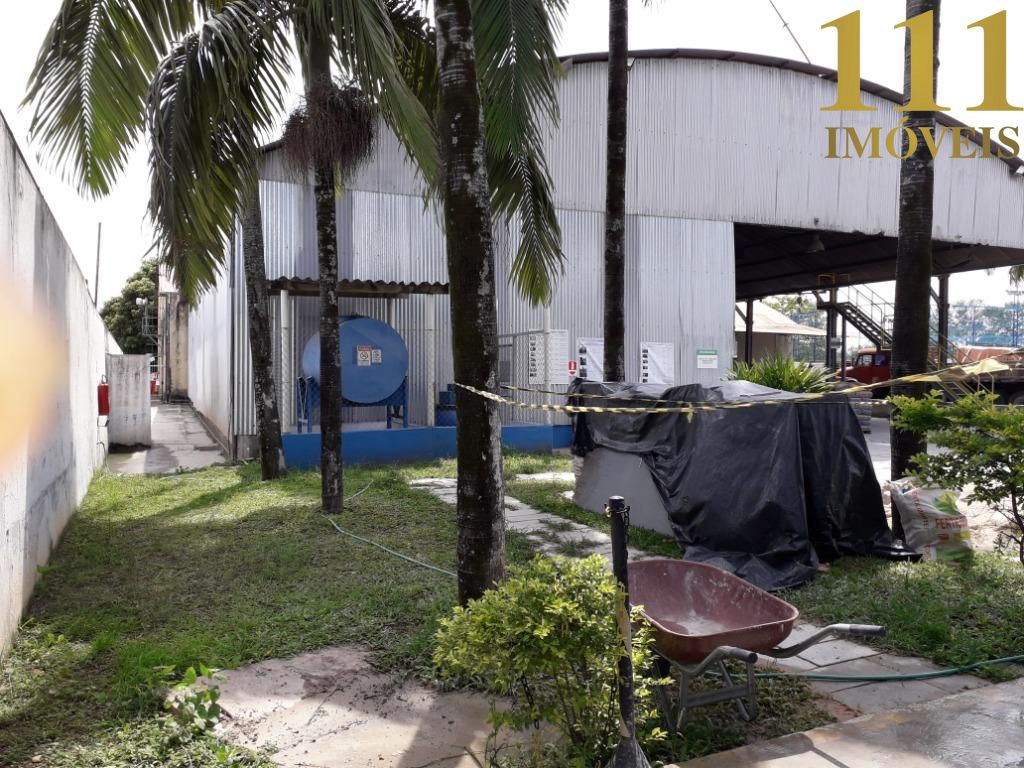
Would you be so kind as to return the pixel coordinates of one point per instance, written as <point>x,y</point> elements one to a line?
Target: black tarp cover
<point>766,492</point>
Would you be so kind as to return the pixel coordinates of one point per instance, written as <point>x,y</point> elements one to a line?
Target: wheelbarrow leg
<point>747,702</point>
<point>662,669</point>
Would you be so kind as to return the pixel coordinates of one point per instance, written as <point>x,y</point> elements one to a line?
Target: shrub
<point>548,639</point>
<point>785,373</point>
<point>984,448</point>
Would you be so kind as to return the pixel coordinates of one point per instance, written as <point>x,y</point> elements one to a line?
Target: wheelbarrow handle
<point>859,630</point>
<point>832,630</point>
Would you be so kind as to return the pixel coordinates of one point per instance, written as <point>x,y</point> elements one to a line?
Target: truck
<point>871,365</point>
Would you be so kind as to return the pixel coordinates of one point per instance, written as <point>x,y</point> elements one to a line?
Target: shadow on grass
<point>220,568</point>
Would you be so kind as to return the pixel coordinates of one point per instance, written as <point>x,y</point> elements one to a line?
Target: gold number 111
<point>921,29</point>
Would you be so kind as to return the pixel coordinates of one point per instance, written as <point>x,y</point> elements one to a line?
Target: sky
<point>743,25</point>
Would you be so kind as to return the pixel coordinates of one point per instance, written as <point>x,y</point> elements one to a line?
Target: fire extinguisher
<point>103,396</point>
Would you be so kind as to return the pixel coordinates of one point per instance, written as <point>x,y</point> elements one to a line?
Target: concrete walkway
<point>550,534</point>
<point>976,729</point>
<point>179,442</point>
<point>842,657</point>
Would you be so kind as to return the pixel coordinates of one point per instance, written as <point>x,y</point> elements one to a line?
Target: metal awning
<point>775,260</point>
<point>304,286</point>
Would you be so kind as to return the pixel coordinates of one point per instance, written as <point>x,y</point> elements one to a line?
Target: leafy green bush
<point>785,373</point>
<point>548,639</point>
<point>984,448</point>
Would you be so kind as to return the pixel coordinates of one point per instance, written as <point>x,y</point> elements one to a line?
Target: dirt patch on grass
<point>331,708</point>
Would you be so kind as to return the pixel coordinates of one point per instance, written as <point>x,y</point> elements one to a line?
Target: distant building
<point>773,332</point>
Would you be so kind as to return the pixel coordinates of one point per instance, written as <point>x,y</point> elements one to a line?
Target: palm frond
<point>214,96</point>
<point>90,81</point>
<point>518,71</point>
<point>1017,274</point>
<point>370,51</point>
<point>418,51</point>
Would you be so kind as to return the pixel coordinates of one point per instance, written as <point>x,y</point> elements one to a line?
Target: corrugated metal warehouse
<point>721,206</point>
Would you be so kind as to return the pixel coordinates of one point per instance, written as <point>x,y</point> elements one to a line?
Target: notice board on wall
<point>658,363</point>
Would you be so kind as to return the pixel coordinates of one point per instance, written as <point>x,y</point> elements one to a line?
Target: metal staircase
<point>864,309</point>
<point>872,315</point>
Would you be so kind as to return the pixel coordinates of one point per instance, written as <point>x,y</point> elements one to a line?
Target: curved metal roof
<point>778,62</point>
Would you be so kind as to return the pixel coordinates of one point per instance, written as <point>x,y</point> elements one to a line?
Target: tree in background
<point>215,72</point>
<point>125,317</point>
<point>794,306</point>
<point>615,193</point>
<point>910,331</point>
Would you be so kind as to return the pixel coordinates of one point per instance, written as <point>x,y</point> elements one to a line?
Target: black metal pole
<point>943,321</point>
<point>748,336</point>
<point>628,753</point>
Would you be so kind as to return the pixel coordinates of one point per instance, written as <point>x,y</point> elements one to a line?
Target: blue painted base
<point>388,446</point>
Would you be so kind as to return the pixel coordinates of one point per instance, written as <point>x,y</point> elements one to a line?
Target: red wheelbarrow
<point>702,617</point>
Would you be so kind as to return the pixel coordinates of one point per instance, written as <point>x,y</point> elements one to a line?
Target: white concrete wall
<point>129,422</point>
<point>52,354</point>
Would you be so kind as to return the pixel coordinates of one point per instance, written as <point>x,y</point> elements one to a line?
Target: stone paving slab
<point>551,534</point>
<point>982,728</point>
<point>836,651</point>
<point>548,477</point>
<point>882,697</point>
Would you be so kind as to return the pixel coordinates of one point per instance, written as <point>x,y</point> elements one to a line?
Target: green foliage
<point>195,706</point>
<point>792,304</point>
<point>206,79</point>
<point>785,373</point>
<point>984,448</point>
<point>952,616</point>
<point>125,319</point>
<point>548,638</point>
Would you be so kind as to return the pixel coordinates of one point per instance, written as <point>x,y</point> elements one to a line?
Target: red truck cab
<point>871,366</point>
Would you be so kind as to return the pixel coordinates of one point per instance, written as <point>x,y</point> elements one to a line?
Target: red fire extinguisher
<point>103,396</point>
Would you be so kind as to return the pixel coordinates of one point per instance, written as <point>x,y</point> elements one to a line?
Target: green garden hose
<point>822,677</point>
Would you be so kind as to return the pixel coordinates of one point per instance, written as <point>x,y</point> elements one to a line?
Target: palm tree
<point>219,88</point>
<point>615,195</point>
<point>268,418</point>
<point>913,257</point>
<point>1017,274</point>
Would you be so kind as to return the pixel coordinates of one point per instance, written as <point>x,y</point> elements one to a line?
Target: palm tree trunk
<point>268,420</point>
<point>913,260</point>
<point>481,517</point>
<point>331,482</point>
<point>615,199</point>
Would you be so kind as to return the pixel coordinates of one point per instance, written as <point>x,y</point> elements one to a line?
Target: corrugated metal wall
<point>209,346</point>
<point>712,142</point>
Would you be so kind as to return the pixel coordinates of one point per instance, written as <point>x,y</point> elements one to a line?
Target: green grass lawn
<point>951,615</point>
<point>217,567</point>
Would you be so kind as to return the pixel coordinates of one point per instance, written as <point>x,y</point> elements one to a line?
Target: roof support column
<point>287,362</point>
<point>832,329</point>
<point>429,322</point>
<point>748,334</point>
<point>943,313</point>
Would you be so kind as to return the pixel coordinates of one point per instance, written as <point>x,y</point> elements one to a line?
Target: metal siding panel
<point>697,162</point>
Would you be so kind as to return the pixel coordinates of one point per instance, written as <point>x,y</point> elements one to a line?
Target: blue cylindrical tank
<point>374,359</point>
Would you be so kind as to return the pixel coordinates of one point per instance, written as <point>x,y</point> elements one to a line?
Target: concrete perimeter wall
<point>52,354</point>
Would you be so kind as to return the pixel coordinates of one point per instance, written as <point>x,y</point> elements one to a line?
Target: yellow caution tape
<point>988,365</point>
